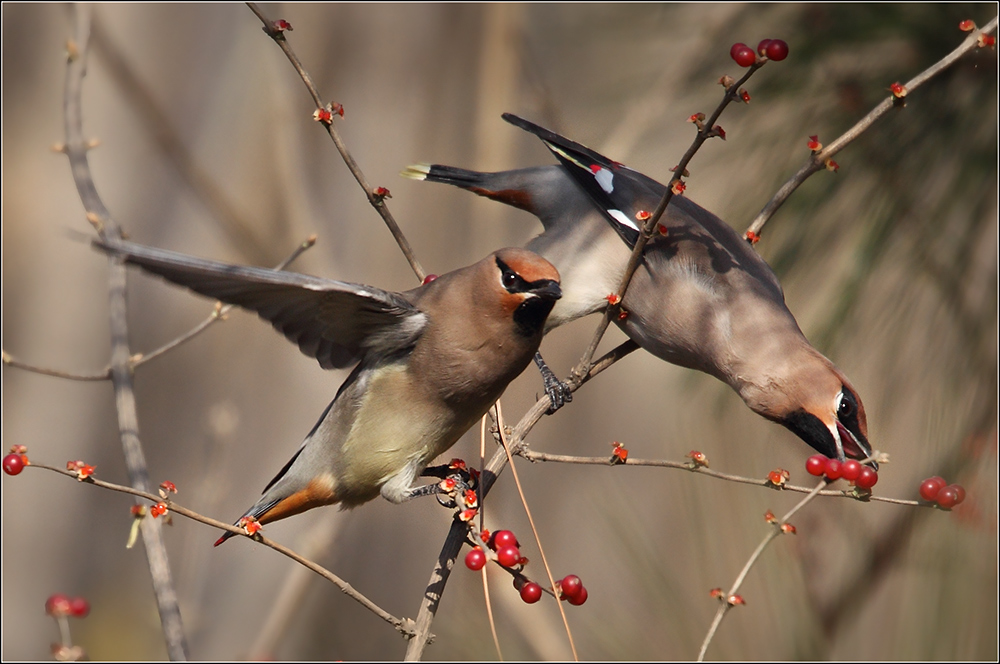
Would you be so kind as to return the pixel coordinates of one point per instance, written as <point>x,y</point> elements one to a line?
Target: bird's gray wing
<point>335,322</point>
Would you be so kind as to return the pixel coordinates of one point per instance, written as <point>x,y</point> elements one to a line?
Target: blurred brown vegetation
<point>890,266</point>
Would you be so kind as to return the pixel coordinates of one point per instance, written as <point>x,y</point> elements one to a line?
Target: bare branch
<point>817,161</point>
<point>775,531</point>
<point>532,455</point>
<point>376,199</point>
<point>401,624</point>
<point>121,370</point>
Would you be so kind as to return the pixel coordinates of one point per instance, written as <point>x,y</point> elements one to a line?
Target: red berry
<point>867,479</point>
<point>79,607</point>
<point>57,605</point>
<point>850,470</point>
<point>947,497</point>
<point>13,464</point>
<point>950,496</point>
<point>762,47</point>
<point>930,487</point>
<point>475,559</point>
<point>502,538</point>
<point>833,469</point>
<point>508,556</point>
<point>816,465</point>
<point>531,592</point>
<point>777,50</point>
<point>579,598</point>
<point>570,586</point>
<point>743,56</point>
<point>735,48</point>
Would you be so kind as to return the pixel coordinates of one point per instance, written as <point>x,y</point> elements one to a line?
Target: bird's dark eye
<point>846,407</point>
<point>510,280</point>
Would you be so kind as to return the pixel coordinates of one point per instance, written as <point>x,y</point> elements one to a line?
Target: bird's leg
<point>455,479</point>
<point>422,490</point>
<point>558,391</point>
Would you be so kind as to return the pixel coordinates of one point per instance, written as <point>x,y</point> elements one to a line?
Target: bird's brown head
<point>528,286</point>
<point>819,405</point>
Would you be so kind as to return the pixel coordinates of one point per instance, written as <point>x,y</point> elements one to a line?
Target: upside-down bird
<point>701,298</point>
<point>430,363</point>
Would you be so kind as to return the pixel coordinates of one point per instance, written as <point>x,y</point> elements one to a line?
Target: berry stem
<point>64,634</point>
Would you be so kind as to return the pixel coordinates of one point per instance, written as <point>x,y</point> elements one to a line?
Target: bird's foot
<point>457,479</point>
<point>559,392</point>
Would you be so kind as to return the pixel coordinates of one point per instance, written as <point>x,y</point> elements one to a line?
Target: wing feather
<point>335,322</point>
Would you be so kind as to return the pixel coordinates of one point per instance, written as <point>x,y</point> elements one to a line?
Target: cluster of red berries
<point>936,490</point>
<point>863,477</point>
<point>771,49</point>
<point>505,544</point>
<point>60,605</point>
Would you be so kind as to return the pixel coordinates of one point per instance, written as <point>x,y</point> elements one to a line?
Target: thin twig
<point>817,161</point>
<point>482,516</point>
<point>489,613</point>
<point>121,371</point>
<point>532,455</point>
<point>377,200</point>
<point>402,624</point>
<point>10,361</point>
<point>775,531</point>
<point>534,530</point>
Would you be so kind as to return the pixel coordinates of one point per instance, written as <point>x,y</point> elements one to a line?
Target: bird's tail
<point>458,177</point>
<point>507,187</point>
<point>226,535</point>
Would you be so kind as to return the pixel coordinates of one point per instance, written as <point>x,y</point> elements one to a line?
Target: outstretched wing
<point>335,322</point>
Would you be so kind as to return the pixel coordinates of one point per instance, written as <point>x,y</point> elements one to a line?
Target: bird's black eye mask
<point>514,283</point>
<point>811,429</point>
<point>531,313</point>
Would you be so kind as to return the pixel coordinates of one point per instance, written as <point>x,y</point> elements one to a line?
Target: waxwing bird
<point>430,363</point>
<point>702,298</point>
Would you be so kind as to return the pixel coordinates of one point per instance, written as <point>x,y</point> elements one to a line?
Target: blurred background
<point>208,147</point>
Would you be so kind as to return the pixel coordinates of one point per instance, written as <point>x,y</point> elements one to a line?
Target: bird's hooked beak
<point>849,446</point>
<point>546,289</point>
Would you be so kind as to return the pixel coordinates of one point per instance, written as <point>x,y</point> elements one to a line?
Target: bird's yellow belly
<point>393,431</point>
